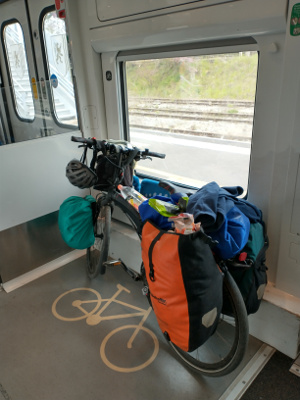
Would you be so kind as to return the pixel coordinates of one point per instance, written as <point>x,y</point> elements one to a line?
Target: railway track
<point>213,118</point>
<point>191,115</point>
<point>205,102</point>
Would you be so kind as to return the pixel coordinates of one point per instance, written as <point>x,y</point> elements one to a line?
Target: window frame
<point>50,94</point>
<point>9,75</point>
<point>186,50</point>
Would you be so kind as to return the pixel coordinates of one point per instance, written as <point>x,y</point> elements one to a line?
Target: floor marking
<point>244,379</point>
<point>132,369</point>
<point>95,316</point>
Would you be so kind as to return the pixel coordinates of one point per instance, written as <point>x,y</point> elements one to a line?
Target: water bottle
<point>132,196</point>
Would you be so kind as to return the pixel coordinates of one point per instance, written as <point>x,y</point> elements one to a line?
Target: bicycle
<point>225,349</point>
<point>87,305</point>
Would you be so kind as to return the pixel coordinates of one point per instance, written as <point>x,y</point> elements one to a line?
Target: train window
<point>18,69</point>
<point>59,69</point>
<point>199,111</point>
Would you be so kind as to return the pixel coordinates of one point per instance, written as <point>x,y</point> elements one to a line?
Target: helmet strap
<point>83,157</point>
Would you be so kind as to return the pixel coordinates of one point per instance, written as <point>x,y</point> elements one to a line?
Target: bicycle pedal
<point>111,263</point>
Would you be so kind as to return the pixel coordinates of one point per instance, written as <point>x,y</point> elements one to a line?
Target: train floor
<point>54,345</point>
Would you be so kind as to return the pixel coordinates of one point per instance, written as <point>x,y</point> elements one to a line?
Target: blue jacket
<point>211,203</point>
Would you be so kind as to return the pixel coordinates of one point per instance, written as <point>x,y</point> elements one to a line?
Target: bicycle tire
<point>208,359</point>
<point>97,254</point>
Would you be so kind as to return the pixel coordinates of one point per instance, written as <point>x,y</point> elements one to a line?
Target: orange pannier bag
<point>185,284</point>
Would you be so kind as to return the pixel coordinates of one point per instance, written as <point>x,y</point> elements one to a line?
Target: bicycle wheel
<point>97,254</point>
<point>225,349</point>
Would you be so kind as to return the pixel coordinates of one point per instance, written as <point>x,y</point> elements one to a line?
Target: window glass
<point>18,69</point>
<point>60,77</point>
<point>199,111</point>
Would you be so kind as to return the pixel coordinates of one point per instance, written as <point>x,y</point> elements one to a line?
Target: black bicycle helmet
<point>80,175</point>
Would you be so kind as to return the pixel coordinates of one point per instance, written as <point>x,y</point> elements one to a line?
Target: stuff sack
<point>185,284</point>
<point>75,221</point>
<point>251,274</point>
<point>147,212</point>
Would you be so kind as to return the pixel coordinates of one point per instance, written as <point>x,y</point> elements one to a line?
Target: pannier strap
<point>200,234</point>
<point>205,238</point>
<point>154,241</point>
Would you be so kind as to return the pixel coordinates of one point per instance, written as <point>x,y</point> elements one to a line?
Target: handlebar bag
<point>75,221</point>
<point>108,166</point>
<point>185,284</point>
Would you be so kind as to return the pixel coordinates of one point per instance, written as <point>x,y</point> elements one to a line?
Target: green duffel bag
<point>75,221</point>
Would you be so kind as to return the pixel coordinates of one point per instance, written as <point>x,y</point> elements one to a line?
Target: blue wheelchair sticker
<point>54,81</point>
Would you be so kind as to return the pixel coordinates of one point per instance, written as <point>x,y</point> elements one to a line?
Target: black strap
<point>204,237</point>
<point>83,157</point>
<point>153,243</point>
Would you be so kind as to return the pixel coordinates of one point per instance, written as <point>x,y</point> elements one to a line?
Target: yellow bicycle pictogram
<point>88,304</point>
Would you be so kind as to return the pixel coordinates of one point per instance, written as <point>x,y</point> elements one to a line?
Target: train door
<point>53,67</point>
<point>19,73</point>
<point>40,102</point>
<point>4,126</point>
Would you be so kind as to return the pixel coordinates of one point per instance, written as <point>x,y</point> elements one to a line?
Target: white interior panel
<point>32,178</point>
<point>237,19</point>
<point>114,9</point>
<point>295,218</point>
<point>287,160</point>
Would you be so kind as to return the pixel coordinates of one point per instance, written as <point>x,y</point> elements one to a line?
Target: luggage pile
<point>183,241</point>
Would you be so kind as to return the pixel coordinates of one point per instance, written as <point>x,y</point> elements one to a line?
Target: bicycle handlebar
<point>89,142</point>
<point>148,153</point>
<point>103,145</point>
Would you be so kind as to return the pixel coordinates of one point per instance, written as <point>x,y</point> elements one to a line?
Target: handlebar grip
<point>78,139</point>
<point>89,142</point>
<point>157,155</point>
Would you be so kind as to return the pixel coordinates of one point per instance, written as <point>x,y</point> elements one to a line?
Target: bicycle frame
<point>111,198</point>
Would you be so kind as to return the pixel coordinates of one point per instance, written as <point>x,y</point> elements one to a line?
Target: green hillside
<point>204,77</point>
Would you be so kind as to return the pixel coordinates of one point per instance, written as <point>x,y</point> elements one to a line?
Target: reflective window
<point>18,69</point>
<point>60,77</point>
<point>199,111</point>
